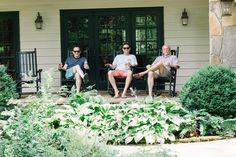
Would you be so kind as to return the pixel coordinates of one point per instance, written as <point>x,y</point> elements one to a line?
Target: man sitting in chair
<point>122,65</point>
<point>160,67</point>
<point>73,67</point>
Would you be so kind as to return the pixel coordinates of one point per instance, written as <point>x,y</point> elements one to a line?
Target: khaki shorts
<point>157,74</point>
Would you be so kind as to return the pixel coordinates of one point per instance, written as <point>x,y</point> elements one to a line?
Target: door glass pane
<point>111,34</point>
<point>146,38</point>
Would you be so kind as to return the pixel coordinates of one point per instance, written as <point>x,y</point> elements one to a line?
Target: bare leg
<point>113,83</point>
<point>77,69</point>
<point>127,83</point>
<point>78,82</point>
<point>150,81</point>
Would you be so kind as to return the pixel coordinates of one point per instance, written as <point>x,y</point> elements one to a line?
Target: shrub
<point>7,86</point>
<point>212,88</point>
<point>229,127</point>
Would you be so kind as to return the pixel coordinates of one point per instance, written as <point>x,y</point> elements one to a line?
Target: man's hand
<point>86,66</point>
<point>108,65</point>
<point>148,66</point>
<point>128,65</point>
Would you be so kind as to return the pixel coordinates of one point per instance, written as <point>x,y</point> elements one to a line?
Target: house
<point>100,26</point>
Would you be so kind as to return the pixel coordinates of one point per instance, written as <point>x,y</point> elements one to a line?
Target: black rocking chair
<point>161,82</point>
<point>27,71</point>
<point>71,82</point>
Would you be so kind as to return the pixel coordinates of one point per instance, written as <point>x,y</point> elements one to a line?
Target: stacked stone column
<point>222,35</point>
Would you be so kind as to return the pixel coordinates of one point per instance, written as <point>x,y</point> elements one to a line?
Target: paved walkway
<point>221,148</point>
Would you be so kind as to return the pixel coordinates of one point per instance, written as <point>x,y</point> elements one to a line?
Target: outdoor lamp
<point>226,7</point>
<point>39,22</point>
<point>184,18</point>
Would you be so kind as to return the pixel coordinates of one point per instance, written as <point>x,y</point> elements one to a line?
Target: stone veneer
<point>222,35</point>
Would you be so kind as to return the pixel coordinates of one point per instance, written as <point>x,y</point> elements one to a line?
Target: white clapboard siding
<point>192,39</point>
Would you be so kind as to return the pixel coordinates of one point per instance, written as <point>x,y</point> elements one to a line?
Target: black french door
<point>9,40</point>
<point>100,34</point>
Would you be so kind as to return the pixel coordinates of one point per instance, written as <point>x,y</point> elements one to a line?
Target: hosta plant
<point>150,122</point>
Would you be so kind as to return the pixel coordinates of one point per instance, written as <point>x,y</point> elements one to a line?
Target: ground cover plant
<point>212,88</point>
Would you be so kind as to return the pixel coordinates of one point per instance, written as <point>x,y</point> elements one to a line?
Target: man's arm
<point>86,66</point>
<point>64,67</point>
<point>174,63</point>
<point>155,61</point>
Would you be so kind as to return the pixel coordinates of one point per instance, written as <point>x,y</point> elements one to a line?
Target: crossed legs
<point>111,77</point>
<point>158,66</point>
<point>152,75</point>
<point>79,75</point>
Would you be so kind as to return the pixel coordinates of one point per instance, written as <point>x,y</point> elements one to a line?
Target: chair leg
<point>170,83</point>
<point>37,85</point>
<point>174,84</point>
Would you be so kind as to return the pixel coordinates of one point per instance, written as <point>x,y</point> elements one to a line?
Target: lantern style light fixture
<point>184,18</point>
<point>226,7</point>
<point>39,22</point>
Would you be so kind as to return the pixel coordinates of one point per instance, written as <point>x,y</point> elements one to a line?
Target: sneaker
<point>85,79</point>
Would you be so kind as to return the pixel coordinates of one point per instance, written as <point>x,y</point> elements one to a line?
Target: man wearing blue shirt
<point>122,65</point>
<point>73,67</point>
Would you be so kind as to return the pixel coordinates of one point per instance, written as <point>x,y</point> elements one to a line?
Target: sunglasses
<point>76,51</point>
<point>126,48</point>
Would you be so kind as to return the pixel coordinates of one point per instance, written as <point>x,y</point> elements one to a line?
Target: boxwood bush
<point>7,86</point>
<point>212,88</point>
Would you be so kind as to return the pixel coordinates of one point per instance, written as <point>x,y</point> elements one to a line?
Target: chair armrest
<point>40,70</point>
<point>175,67</point>
<point>61,70</point>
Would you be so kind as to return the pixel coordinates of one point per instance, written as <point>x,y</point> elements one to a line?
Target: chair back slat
<point>172,52</point>
<point>27,63</point>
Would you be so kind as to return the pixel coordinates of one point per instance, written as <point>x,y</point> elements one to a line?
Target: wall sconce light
<point>226,7</point>
<point>39,22</point>
<point>184,18</point>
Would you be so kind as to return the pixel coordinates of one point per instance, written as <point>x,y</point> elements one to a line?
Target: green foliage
<point>81,145</point>
<point>80,98</point>
<point>198,123</point>
<point>27,133</point>
<point>7,86</point>
<point>229,127</point>
<point>24,130</point>
<point>134,122</point>
<point>212,88</point>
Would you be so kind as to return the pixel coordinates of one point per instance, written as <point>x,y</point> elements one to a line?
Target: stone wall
<point>222,35</point>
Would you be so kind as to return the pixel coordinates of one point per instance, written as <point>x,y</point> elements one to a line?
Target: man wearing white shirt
<point>122,65</point>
